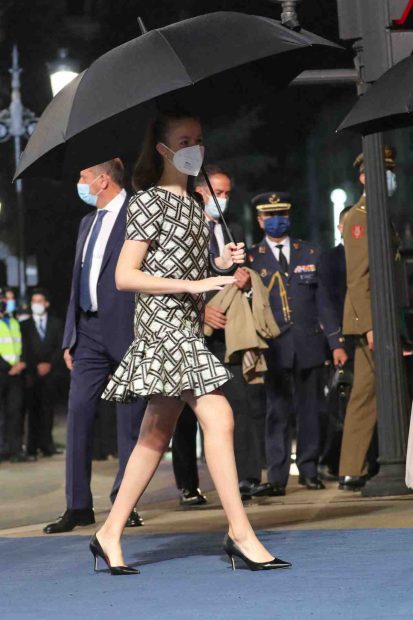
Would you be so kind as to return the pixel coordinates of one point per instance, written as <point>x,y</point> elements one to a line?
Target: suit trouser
<point>91,369</point>
<point>289,391</point>
<point>361,415</point>
<point>184,451</point>
<point>41,398</point>
<point>11,413</point>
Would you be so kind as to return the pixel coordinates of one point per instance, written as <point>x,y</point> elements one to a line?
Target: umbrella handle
<point>221,272</point>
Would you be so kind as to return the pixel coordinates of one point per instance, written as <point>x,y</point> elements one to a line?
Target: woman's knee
<point>219,422</point>
<point>154,438</point>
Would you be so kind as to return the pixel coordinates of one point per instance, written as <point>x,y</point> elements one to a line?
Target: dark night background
<point>288,143</point>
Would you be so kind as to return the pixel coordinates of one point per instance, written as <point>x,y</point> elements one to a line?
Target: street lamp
<point>17,122</point>
<point>62,71</point>
<point>338,197</point>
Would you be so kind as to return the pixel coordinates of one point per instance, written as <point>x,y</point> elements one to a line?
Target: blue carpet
<point>352,574</point>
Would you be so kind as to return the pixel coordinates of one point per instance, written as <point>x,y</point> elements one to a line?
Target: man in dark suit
<point>304,313</point>
<point>98,330</point>
<point>247,401</point>
<point>42,338</point>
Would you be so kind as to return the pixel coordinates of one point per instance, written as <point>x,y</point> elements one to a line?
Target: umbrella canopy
<point>388,104</point>
<point>230,57</point>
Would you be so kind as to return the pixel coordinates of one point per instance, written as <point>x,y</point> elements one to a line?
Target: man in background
<point>42,335</point>
<point>303,311</point>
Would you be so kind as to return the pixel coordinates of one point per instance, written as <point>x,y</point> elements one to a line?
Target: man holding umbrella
<point>98,330</point>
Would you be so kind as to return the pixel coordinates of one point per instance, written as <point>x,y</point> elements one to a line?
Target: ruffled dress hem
<point>168,364</point>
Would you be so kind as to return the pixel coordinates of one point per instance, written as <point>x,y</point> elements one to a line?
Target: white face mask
<point>38,309</point>
<point>189,159</point>
<point>212,210</point>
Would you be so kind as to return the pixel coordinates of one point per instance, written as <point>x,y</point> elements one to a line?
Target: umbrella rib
<point>176,55</point>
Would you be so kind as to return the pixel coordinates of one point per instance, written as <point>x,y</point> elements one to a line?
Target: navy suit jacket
<point>333,274</point>
<point>312,318</point>
<point>115,308</point>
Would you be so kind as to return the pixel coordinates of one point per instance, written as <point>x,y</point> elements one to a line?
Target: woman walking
<point>165,261</point>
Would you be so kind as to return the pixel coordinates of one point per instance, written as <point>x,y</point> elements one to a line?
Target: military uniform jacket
<point>301,306</point>
<point>357,318</point>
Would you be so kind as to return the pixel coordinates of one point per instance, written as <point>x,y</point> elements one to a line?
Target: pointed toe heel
<point>97,552</point>
<point>233,551</point>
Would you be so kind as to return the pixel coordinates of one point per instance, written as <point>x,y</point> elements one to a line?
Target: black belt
<point>89,313</point>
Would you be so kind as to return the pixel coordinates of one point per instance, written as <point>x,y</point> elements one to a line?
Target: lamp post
<point>17,122</point>
<point>61,71</point>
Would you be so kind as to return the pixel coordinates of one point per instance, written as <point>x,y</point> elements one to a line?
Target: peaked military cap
<point>389,156</point>
<point>272,201</point>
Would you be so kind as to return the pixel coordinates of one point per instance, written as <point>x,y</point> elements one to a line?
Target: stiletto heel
<point>97,552</point>
<point>231,559</point>
<point>232,550</point>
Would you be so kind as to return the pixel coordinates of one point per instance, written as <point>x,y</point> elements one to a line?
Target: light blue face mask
<point>83,189</point>
<point>212,210</point>
<point>10,306</point>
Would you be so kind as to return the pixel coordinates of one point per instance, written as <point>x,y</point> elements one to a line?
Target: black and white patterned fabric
<point>169,353</point>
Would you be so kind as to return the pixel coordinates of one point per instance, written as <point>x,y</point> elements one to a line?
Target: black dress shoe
<point>249,489</point>
<point>312,484</point>
<point>192,497</point>
<point>352,483</point>
<point>278,490</point>
<point>69,520</point>
<point>135,519</point>
<point>20,457</point>
<point>325,473</point>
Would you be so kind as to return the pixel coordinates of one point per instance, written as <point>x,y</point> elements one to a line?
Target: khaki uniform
<point>361,413</point>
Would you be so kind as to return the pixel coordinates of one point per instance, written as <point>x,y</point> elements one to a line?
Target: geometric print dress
<point>169,353</point>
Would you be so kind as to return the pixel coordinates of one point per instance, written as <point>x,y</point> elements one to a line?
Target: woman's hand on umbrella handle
<point>217,283</point>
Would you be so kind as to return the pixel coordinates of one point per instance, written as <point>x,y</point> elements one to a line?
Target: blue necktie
<point>213,243</point>
<point>41,329</point>
<point>85,301</point>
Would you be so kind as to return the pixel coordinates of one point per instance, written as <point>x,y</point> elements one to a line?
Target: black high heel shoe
<point>233,550</point>
<point>97,552</point>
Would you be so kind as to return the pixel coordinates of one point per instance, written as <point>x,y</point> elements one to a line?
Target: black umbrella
<point>388,104</point>
<point>230,57</point>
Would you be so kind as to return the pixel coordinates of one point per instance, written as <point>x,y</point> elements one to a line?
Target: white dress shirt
<point>113,208</point>
<point>286,248</point>
<point>40,318</point>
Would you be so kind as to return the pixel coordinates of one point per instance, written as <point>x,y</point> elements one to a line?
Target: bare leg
<point>216,419</point>
<point>157,429</point>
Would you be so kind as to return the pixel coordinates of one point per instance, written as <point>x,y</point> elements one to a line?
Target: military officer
<point>304,313</point>
<point>360,421</point>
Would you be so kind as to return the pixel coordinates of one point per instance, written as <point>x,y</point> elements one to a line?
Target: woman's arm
<point>129,276</point>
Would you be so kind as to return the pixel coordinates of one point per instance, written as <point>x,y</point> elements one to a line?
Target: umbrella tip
<point>142,26</point>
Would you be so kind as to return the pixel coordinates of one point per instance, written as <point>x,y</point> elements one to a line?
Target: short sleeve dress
<point>169,354</point>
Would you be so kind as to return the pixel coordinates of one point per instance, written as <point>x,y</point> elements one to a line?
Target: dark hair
<point>40,291</point>
<point>343,212</point>
<point>149,167</point>
<point>114,169</point>
<point>210,169</point>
